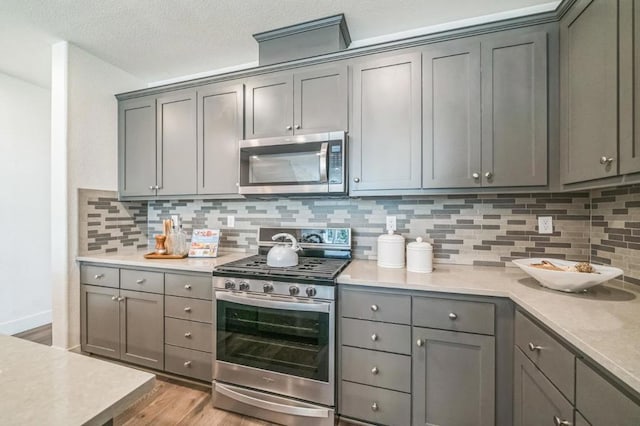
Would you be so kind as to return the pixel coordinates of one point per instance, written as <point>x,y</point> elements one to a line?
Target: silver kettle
<point>283,255</point>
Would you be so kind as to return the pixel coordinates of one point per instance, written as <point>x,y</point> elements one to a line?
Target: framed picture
<point>204,243</point>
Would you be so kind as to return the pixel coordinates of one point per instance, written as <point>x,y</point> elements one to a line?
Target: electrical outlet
<point>545,225</point>
<point>391,223</point>
<point>231,221</point>
<point>175,218</point>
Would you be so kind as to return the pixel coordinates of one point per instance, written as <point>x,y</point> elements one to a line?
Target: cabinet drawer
<point>150,282</point>
<point>184,285</point>
<point>376,306</point>
<point>188,334</point>
<point>375,405</point>
<point>553,359</point>
<point>188,309</point>
<point>376,335</point>
<point>600,402</point>
<point>187,362</point>
<point>100,275</point>
<point>380,369</point>
<point>454,315</point>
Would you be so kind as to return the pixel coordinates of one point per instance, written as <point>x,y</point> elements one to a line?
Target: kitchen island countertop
<point>41,385</point>
<point>603,323</point>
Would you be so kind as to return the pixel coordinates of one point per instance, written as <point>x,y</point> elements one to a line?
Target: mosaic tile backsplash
<point>601,226</point>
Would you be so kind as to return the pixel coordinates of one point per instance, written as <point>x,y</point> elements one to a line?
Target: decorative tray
<point>154,255</point>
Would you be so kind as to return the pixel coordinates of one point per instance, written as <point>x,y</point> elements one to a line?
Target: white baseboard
<point>25,323</point>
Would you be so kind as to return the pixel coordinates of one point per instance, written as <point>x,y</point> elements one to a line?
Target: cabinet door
<point>141,328</point>
<point>451,115</point>
<point>453,378</point>
<point>629,86</point>
<point>536,400</point>
<point>588,90</point>
<point>137,147</point>
<point>269,107</point>
<point>320,100</point>
<point>220,128</point>
<point>514,110</point>
<point>99,316</point>
<point>386,132</point>
<point>176,123</point>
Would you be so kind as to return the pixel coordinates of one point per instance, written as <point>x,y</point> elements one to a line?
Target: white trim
<point>25,323</point>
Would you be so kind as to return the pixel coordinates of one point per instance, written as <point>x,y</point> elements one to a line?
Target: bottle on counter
<point>181,242</point>
<point>170,243</point>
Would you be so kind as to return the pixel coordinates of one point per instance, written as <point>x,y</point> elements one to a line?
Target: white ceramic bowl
<point>567,281</point>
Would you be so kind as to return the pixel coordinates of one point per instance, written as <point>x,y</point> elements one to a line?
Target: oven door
<point>277,344</point>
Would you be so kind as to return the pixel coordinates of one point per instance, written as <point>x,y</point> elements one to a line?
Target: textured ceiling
<point>164,39</point>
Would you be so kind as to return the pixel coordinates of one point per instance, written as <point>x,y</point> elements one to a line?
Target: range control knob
<point>244,286</point>
<point>229,285</point>
<point>294,290</point>
<point>311,291</point>
<point>267,288</point>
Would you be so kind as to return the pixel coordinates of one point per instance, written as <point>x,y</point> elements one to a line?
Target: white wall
<point>25,278</point>
<point>91,135</point>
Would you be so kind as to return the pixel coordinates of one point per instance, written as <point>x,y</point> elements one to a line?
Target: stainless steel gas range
<point>274,356</point>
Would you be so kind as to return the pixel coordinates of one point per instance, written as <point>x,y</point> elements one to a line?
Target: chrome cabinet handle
<point>140,281</point>
<point>297,126</point>
<point>114,297</point>
<point>534,348</point>
<point>187,309</point>
<point>356,179</point>
<point>187,334</point>
<point>375,371</point>
<point>289,127</point>
<point>557,421</point>
<point>187,286</point>
<point>187,364</point>
<point>453,316</point>
<point>374,406</point>
<point>374,337</point>
<point>374,308</point>
<point>98,276</point>
<point>476,175</point>
<point>419,342</point>
<point>606,160</point>
<point>120,299</point>
<point>488,175</point>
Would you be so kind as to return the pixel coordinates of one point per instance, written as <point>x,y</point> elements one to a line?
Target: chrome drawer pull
<point>374,370</point>
<point>140,281</point>
<point>114,297</point>
<point>374,308</point>
<point>374,337</point>
<point>187,364</point>
<point>187,286</point>
<point>534,348</point>
<point>187,309</point>
<point>120,299</point>
<point>187,334</point>
<point>98,276</point>
<point>419,342</point>
<point>374,406</point>
<point>557,421</point>
<point>453,316</point>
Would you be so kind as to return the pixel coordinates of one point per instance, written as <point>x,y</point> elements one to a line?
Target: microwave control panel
<point>335,162</point>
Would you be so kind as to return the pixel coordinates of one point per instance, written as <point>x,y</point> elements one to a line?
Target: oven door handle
<point>273,304</point>
<point>323,162</point>
<point>271,406</point>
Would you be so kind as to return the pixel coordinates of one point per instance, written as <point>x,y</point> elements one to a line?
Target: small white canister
<point>391,250</point>
<point>419,256</point>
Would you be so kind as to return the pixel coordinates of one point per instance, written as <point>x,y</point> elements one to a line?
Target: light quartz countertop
<point>603,323</point>
<point>41,385</point>
<point>190,264</point>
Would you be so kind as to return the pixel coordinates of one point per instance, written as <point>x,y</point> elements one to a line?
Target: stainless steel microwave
<point>304,164</point>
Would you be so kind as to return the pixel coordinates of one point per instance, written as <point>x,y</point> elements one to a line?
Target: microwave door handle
<point>267,302</point>
<point>323,162</point>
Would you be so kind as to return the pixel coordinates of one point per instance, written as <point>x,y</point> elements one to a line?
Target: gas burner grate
<point>308,267</point>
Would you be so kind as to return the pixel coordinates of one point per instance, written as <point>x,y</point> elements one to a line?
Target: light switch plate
<point>175,218</point>
<point>545,225</point>
<point>391,223</point>
<point>231,221</point>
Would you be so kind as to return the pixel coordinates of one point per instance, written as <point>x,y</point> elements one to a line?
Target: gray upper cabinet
<point>589,91</point>
<point>220,127</point>
<point>451,115</point>
<point>176,141</point>
<point>386,131</point>
<point>137,147</point>
<point>141,328</point>
<point>99,310</point>
<point>629,86</point>
<point>453,378</point>
<point>305,102</point>
<point>514,110</point>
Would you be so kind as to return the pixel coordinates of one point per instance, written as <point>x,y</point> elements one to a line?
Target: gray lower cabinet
<point>220,127</point>
<point>453,378</point>
<point>589,91</point>
<point>386,137</point>
<point>100,320</point>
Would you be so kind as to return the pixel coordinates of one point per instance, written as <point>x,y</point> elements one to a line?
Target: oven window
<point>283,341</point>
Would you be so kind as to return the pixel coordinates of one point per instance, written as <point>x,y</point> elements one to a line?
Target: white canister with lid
<point>419,256</point>
<point>391,250</point>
